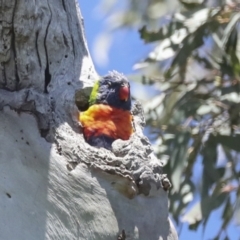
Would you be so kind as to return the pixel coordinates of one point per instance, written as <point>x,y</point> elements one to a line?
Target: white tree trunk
<point>54,185</point>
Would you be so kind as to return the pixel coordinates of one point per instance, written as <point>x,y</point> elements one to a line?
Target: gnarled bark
<point>53,184</point>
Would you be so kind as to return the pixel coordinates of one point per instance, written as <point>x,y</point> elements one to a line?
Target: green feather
<point>94,92</point>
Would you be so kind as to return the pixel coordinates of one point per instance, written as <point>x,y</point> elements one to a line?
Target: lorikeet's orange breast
<point>102,119</point>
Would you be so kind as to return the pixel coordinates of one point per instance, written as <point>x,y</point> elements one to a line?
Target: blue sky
<point>126,50</point>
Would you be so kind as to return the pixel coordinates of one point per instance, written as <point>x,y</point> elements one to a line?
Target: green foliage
<point>195,120</point>
<point>200,109</point>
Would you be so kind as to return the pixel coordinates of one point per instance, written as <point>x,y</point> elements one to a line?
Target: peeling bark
<point>54,185</point>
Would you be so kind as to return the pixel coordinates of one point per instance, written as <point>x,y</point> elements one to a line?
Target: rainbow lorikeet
<point>108,117</point>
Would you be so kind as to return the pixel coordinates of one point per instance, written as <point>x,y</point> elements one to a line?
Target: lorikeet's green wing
<point>93,96</point>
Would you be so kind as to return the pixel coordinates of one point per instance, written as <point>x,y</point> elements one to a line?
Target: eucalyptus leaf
<point>204,109</point>
<point>231,97</point>
<point>227,213</point>
<point>194,215</point>
<point>232,142</point>
<point>228,30</point>
<point>237,212</point>
<point>178,157</point>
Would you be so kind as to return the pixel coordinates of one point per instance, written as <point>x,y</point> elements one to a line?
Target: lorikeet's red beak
<point>124,92</point>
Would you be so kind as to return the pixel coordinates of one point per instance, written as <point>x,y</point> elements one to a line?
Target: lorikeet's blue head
<point>113,90</point>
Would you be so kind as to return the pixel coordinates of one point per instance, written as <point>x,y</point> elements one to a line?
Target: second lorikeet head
<point>113,90</point>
